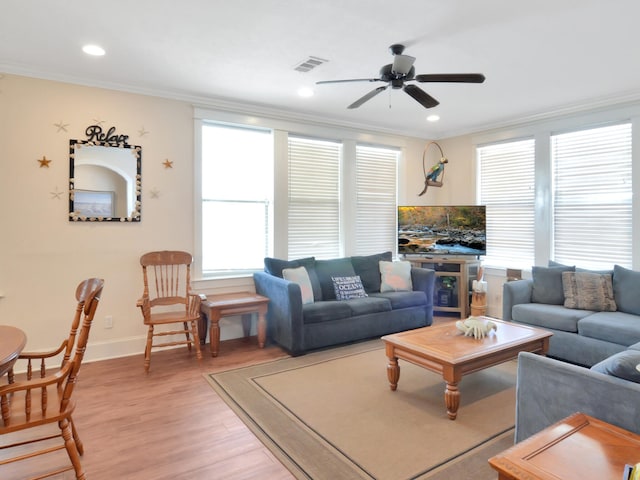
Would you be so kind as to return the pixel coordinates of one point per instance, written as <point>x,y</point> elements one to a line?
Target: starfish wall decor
<point>44,162</point>
<point>61,126</point>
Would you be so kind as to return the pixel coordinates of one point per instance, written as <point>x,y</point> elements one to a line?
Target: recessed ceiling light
<point>433,118</point>
<point>93,50</point>
<point>305,92</point>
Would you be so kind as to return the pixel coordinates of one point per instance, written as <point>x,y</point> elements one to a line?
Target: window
<point>237,192</point>
<point>592,211</point>
<point>314,198</point>
<point>288,189</point>
<point>376,211</point>
<point>507,190</point>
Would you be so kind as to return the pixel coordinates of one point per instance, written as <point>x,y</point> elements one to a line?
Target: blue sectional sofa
<point>325,321</point>
<point>581,335</point>
<point>549,390</point>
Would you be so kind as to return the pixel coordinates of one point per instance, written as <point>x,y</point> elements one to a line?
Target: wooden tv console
<point>460,271</point>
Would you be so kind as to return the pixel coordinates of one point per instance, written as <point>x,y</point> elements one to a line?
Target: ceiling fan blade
<point>350,80</point>
<point>426,100</point>
<point>402,64</point>
<point>451,77</point>
<point>368,96</point>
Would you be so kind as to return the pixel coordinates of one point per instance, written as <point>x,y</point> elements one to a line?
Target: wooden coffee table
<point>443,349</point>
<point>579,446</point>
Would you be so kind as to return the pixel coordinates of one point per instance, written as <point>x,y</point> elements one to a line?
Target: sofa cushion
<point>626,285</point>
<point>274,266</point>
<point>337,267</point>
<point>369,269</point>
<point>347,288</point>
<point>615,327</point>
<point>588,291</point>
<point>325,311</point>
<point>368,305</point>
<point>542,315</point>
<point>395,276</point>
<point>403,299</point>
<point>547,284</point>
<point>300,276</point>
<point>579,269</point>
<point>622,365</point>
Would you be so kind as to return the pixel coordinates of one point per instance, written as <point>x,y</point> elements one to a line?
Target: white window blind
<point>314,198</point>
<point>237,192</point>
<point>376,205</point>
<point>507,189</point>
<point>592,197</point>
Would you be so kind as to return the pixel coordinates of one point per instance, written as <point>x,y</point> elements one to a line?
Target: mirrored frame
<point>104,182</point>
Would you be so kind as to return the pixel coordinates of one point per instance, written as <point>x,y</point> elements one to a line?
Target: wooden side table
<point>224,305</point>
<point>578,447</point>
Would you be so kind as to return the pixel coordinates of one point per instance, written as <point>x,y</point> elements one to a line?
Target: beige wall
<point>44,256</point>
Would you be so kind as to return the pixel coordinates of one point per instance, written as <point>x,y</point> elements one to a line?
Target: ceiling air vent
<point>309,64</point>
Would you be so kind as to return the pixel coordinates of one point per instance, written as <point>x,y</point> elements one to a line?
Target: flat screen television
<point>442,230</point>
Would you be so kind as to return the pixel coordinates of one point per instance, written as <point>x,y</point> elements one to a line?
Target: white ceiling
<point>540,57</point>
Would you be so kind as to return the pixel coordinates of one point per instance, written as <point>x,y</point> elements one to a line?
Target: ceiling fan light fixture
<point>433,118</point>
<point>402,71</point>
<point>402,64</point>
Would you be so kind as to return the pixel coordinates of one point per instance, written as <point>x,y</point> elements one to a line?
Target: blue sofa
<point>549,390</point>
<point>299,327</point>
<point>580,336</point>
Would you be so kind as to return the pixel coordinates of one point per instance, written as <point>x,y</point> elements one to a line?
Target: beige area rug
<point>331,415</point>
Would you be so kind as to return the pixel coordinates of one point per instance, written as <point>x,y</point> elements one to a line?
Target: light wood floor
<point>169,424</point>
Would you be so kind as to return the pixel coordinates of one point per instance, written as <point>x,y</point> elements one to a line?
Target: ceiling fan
<point>401,71</point>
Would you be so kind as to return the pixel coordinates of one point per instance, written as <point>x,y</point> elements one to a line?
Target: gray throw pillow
<point>348,288</point>
<point>588,291</point>
<point>626,286</point>
<point>547,284</point>
<point>621,365</point>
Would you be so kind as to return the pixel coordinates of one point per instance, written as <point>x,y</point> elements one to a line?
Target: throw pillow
<point>300,276</point>
<point>626,285</point>
<point>547,284</point>
<point>347,288</point>
<point>368,268</point>
<point>588,291</point>
<point>395,276</point>
<point>621,365</point>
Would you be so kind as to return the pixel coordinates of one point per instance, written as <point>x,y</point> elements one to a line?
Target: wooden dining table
<point>12,341</point>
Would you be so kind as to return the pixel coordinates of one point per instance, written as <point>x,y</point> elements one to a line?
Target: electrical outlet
<point>108,321</point>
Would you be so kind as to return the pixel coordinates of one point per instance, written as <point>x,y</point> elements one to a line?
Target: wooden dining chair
<point>66,346</point>
<point>167,291</point>
<point>28,405</point>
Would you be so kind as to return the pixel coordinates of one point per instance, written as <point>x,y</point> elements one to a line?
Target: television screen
<point>442,230</point>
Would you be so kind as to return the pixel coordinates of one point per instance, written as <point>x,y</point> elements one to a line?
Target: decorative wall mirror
<point>104,178</point>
